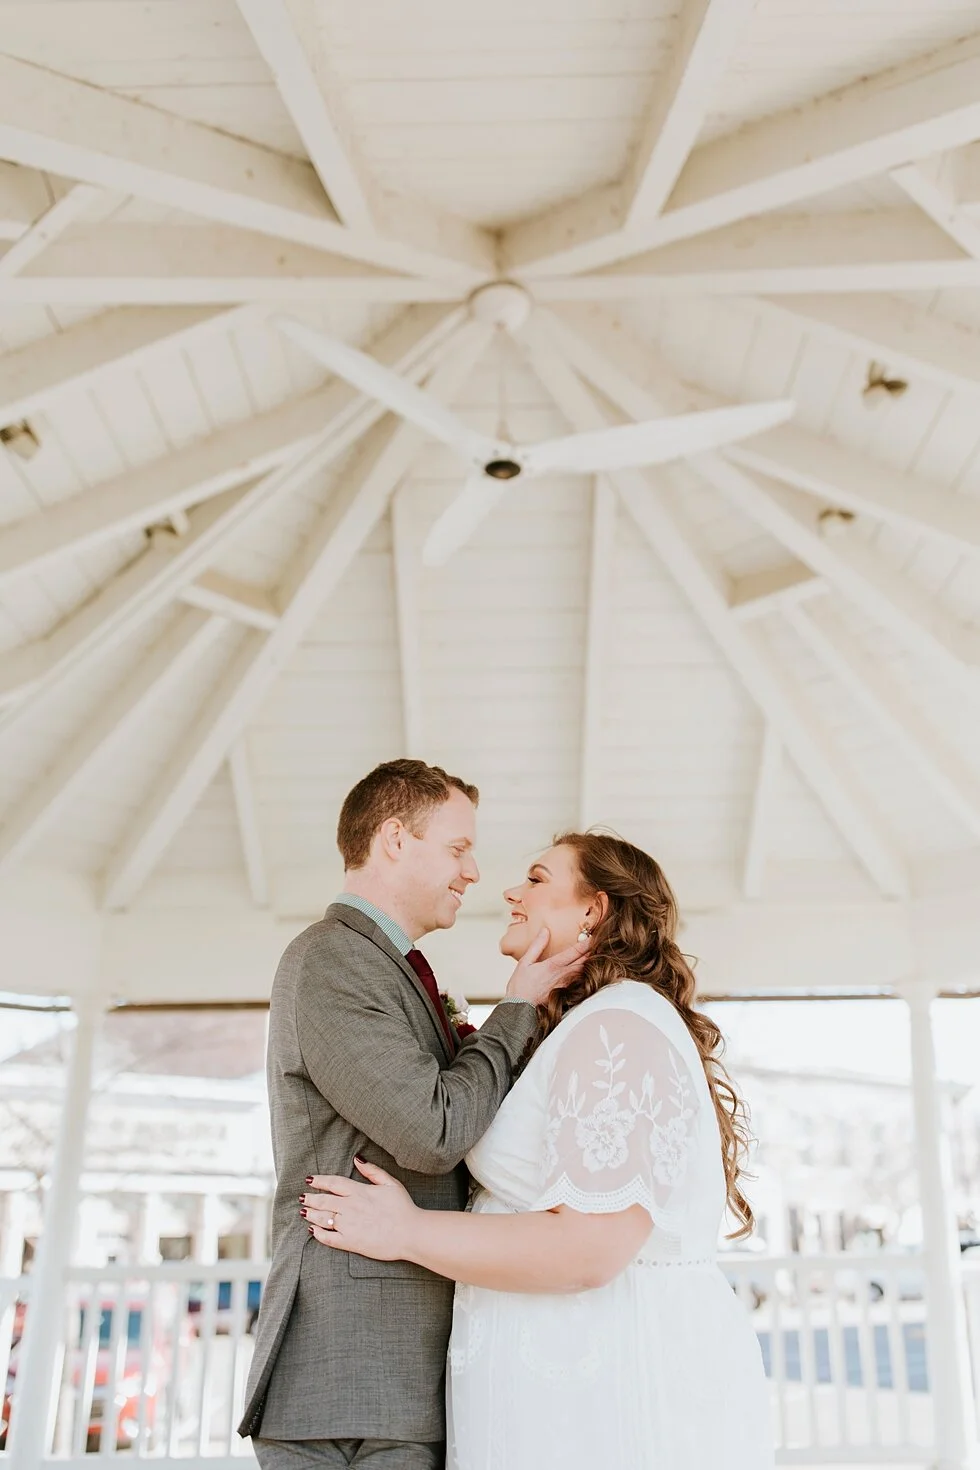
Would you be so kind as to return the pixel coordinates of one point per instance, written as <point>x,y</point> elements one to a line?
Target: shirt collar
<point>385,923</point>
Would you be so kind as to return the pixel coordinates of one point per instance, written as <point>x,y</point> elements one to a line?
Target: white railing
<point>155,1358</point>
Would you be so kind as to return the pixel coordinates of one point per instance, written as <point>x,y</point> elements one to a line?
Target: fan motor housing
<point>502,469</point>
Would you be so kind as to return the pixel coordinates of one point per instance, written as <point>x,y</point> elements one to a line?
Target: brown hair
<point>407,789</point>
<point>635,938</point>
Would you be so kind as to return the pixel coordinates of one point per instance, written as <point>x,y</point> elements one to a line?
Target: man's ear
<point>391,837</point>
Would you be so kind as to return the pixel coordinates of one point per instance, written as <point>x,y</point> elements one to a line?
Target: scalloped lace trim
<point>564,1192</point>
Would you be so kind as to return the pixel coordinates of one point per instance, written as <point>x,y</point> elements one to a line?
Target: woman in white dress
<point>592,1325</point>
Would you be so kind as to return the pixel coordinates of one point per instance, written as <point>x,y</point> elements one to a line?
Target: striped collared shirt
<point>387,925</point>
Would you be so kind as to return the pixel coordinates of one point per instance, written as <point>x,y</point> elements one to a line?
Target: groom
<point>364,1062</point>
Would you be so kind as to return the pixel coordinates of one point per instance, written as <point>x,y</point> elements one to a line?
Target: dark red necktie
<point>423,970</point>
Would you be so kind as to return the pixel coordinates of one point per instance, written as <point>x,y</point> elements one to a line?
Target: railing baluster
<point>777,1357</point>
<point>867,1353</point>
<point>88,1359</point>
<point>147,1372</point>
<point>239,1300</point>
<point>808,1366</point>
<point>181,1298</point>
<point>118,1339</point>
<point>896,1352</point>
<point>208,1319</point>
<point>837,1357</point>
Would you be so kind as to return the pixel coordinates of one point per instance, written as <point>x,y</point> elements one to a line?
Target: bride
<point>592,1325</point>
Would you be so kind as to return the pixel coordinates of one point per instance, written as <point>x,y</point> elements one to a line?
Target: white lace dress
<point>660,1370</point>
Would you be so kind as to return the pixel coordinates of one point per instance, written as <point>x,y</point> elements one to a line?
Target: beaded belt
<point>680,1261</point>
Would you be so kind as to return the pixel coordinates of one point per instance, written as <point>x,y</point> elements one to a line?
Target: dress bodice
<point>613,1109</point>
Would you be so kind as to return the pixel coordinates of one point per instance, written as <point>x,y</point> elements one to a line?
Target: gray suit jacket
<point>359,1064</point>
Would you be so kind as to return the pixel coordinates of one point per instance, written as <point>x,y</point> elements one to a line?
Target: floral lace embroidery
<point>603,1133</point>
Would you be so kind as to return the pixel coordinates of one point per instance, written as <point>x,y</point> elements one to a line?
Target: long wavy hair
<point>636,940</point>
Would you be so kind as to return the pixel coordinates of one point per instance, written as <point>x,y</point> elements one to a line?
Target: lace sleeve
<point>622,1120</point>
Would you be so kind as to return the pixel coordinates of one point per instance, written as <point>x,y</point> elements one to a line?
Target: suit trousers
<point>339,1454</point>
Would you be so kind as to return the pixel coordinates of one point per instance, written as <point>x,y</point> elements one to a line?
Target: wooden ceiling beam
<point>163,265</point>
<point>249,823</point>
<point>643,387</point>
<point>598,634</point>
<point>82,353</point>
<point>336,414</point>
<point>870,685</point>
<point>418,238</point>
<point>81,132</point>
<point>632,379</point>
<point>765,798</point>
<point>906,337</point>
<point>358,503</point>
<point>879,123</point>
<point>871,251</point>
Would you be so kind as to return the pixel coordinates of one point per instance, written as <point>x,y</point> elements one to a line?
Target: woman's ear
<point>597,910</point>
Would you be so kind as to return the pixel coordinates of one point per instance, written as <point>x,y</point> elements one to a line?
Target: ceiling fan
<point>494,462</point>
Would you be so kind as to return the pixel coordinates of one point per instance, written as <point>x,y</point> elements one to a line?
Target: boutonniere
<point>457,1010</point>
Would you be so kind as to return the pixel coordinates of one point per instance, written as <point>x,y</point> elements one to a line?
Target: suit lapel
<point>354,919</point>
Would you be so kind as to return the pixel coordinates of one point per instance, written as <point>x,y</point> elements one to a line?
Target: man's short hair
<point>407,789</point>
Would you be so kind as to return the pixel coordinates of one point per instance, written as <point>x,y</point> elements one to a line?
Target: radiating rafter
<point>33,674</point>
<point>922,742</point>
<point>52,122</point>
<point>157,675</point>
<point>612,220</point>
<point>249,826</point>
<point>631,377</point>
<point>163,265</point>
<point>598,635</point>
<point>54,222</point>
<point>407,573</point>
<point>764,801</point>
<point>908,338</point>
<point>335,414</point>
<point>869,252</point>
<point>878,123</point>
<point>357,505</point>
<point>119,339</point>
<point>707,591</point>
<point>419,237</point>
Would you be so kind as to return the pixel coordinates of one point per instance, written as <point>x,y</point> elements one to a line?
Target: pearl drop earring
<point>583,935</point>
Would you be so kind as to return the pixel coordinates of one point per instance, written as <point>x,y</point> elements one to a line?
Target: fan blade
<point>655,442</point>
<point>461,517</point>
<point>379,382</point>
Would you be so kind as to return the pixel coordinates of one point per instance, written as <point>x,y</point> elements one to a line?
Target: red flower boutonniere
<point>457,1013</point>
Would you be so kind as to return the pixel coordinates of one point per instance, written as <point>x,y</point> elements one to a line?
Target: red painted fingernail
<point>302,1199</point>
<point>310,1229</point>
<point>309,1178</point>
<point>303,1214</point>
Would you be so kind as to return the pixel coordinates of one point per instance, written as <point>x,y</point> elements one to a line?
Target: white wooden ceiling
<point>213,612</point>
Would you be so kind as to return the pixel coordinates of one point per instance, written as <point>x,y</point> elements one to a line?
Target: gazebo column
<point>39,1369</point>
<point>14,1209</point>
<point>949,1360</point>
<point>204,1236</point>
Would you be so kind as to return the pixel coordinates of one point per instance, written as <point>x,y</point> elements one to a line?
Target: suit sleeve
<point>363,1056</point>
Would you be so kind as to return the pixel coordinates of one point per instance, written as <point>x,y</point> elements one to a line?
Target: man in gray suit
<point>364,1063</point>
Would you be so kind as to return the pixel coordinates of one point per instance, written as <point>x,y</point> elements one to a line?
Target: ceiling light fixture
<point>20,439</point>
<point>881,386</point>
<point>833,520</point>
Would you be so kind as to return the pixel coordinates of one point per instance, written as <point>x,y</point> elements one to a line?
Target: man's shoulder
<point>344,939</point>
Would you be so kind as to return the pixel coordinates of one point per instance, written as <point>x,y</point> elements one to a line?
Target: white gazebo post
<point>146,1244</point>
<point>12,1232</point>
<point>39,1371</point>
<point>949,1360</point>
<point>259,1228</point>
